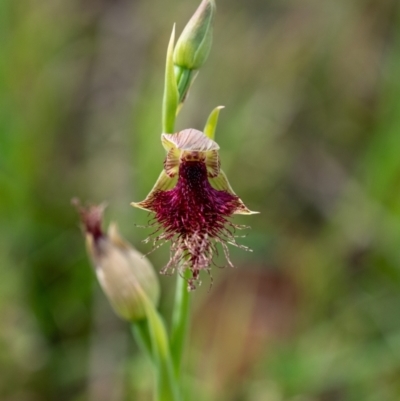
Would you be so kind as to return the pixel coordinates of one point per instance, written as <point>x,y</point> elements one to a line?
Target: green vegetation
<point>310,137</point>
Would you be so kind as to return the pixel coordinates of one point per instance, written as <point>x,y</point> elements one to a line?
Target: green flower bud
<point>125,275</point>
<point>194,44</point>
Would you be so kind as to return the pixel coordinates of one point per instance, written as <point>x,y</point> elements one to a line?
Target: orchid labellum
<point>192,202</point>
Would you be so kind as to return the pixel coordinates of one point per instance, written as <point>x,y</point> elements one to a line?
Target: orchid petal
<point>221,183</point>
<point>171,163</point>
<point>213,163</point>
<point>163,183</point>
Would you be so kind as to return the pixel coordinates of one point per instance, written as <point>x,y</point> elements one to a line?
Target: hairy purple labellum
<point>193,214</point>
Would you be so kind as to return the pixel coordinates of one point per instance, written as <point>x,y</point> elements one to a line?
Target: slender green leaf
<point>171,94</point>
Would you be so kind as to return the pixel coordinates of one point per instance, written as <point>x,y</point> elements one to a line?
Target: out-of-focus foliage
<point>310,137</point>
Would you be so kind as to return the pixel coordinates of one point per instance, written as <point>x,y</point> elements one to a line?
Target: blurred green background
<point>310,137</point>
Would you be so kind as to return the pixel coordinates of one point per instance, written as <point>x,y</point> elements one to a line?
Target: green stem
<point>180,320</point>
<point>141,333</point>
<point>167,385</point>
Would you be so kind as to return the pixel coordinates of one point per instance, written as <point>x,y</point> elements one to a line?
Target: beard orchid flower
<point>192,201</point>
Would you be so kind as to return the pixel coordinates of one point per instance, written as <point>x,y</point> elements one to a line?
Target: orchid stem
<point>180,320</point>
<point>167,383</point>
<point>141,333</point>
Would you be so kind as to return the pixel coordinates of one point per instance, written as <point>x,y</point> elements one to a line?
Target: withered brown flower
<point>125,275</point>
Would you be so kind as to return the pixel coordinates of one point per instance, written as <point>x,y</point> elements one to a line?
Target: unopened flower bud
<point>194,44</point>
<point>125,275</point>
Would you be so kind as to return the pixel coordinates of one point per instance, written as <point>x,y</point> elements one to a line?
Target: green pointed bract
<point>211,125</point>
<point>194,44</point>
<point>171,94</point>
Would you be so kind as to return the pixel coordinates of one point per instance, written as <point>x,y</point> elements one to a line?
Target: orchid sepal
<point>164,183</point>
